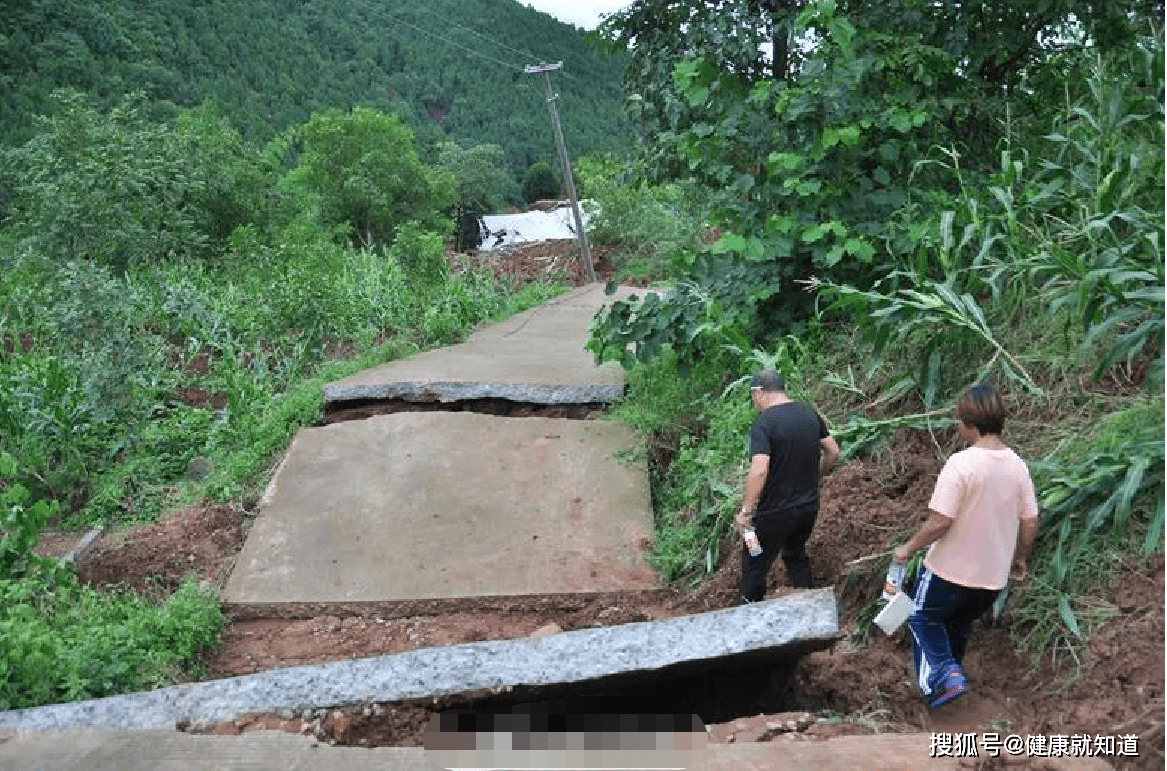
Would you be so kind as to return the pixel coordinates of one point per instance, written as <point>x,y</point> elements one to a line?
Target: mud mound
<point>202,540</point>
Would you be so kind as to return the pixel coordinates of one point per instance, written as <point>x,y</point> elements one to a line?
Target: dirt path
<point>850,689</point>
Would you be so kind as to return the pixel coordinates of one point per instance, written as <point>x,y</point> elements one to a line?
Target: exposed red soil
<point>559,259</point>
<point>849,689</point>
<point>201,541</point>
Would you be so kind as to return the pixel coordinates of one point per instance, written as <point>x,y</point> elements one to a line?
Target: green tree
<point>238,186</point>
<point>120,189</point>
<point>114,188</point>
<point>540,182</point>
<point>363,171</point>
<point>270,64</point>
<point>483,185</point>
<point>824,166</point>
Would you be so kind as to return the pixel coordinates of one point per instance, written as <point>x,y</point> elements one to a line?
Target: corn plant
<point>860,435</point>
<point>1101,491</point>
<point>935,309</point>
<point>1096,213</point>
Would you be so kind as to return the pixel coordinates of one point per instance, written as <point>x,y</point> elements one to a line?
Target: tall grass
<point>113,384</point>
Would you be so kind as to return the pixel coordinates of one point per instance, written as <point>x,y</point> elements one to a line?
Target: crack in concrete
<point>360,409</point>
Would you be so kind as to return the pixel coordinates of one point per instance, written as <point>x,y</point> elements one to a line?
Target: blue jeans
<point>942,626</point>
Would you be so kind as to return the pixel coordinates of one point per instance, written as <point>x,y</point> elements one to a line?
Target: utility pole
<point>566,167</point>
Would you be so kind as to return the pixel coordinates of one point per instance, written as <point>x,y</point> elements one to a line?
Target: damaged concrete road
<point>430,505</point>
<point>535,357</point>
<point>777,630</point>
<point>427,505</point>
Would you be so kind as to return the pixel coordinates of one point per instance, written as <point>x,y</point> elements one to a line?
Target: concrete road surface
<point>446,505</point>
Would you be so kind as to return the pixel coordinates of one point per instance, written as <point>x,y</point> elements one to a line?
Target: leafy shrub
<point>648,224</point>
<point>422,255</point>
<point>113,188</point>
<point>540,182</point>
<point>20,524</point>
<point>66,642</point>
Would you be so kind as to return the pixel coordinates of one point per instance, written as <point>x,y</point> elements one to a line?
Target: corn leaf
<point>1154,539</point>
<point>1068,617</point>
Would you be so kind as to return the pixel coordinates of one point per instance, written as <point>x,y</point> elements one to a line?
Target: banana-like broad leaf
<point>1154,539</point>
<point>1068,617</point>
<point>932,378</point>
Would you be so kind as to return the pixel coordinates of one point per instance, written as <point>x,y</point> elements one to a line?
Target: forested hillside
<point>450,69</point>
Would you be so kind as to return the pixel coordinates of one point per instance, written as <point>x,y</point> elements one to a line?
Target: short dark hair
<point>982,407</point>
<point>768,380</point>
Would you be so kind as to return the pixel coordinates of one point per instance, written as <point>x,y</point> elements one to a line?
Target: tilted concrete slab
<point>423,505</point>
<point>605,657</point>
<point>535,357</point>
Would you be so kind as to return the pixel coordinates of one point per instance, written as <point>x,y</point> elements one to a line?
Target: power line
<point>397,18</point>
<point>487,38</point>
<point>468,50</point>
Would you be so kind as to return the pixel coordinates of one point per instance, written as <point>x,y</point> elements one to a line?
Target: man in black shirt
<point>790,448</point>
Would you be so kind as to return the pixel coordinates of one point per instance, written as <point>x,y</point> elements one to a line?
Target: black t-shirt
<point>790,434</point>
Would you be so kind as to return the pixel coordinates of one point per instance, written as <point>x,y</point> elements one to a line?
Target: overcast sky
<point>581,13</point>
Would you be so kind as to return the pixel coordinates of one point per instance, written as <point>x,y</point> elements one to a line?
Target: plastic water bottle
<point>895,579</point>
<point>752,543</point>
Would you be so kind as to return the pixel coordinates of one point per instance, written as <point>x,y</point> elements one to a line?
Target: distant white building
<point>503,230</point>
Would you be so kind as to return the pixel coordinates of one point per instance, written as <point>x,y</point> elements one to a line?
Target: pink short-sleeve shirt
<point>986,493</point>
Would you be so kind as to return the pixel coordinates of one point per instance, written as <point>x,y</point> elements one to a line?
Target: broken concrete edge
<point>83,546</point>
<point>778,629</point>
<point>452,391</point>
<point>269,491</point>
<point>392,609</point>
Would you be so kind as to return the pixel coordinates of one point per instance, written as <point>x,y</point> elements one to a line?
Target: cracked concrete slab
<point>605,657</point>
<point>426,505</point>
<point>535,357</point>
<point>417,506</point>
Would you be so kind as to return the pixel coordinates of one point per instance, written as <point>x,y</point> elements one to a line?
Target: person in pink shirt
<point>981,525</point>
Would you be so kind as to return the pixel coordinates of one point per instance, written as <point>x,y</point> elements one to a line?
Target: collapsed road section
<point>535,357</point>
<point>638,654</point>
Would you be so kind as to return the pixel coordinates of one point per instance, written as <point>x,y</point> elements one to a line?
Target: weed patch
<point>67,642</point>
